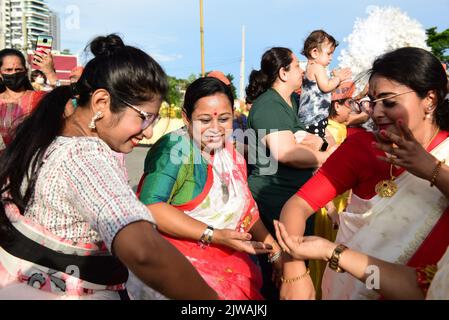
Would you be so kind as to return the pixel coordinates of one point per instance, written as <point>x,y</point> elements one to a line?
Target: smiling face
<point>123,132</point>
<point>211,122</point>
<point>400,103</point>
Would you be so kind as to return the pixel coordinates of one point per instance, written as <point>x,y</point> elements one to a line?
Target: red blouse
<point>354,165</point>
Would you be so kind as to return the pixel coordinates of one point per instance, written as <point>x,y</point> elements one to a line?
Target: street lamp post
<point>203,68</point>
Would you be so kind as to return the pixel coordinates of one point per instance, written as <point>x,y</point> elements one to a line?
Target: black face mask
<point>15,81</point>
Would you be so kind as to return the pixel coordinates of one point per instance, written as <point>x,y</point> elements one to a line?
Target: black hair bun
<point>106,46</point>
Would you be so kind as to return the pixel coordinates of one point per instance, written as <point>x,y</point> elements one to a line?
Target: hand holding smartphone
<point>43,47</point>
<point>44,44</point>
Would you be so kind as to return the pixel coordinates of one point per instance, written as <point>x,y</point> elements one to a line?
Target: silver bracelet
<point>275,257</point>
<point>206,238</point>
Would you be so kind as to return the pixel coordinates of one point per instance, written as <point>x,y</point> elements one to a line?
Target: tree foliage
<point>177,87</point>
<point>439,42</point>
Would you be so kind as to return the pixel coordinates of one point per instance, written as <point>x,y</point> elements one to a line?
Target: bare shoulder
<point>313,70</point>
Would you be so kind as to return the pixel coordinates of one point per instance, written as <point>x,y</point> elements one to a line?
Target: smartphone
<point>44,43</point>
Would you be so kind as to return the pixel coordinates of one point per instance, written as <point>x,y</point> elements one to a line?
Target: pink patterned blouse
<point>82,194</point>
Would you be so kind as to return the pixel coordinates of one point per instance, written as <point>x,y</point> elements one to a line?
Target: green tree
<point>439,42</point>
<point>193,77</point>
<point>174,95</point>
<point>233,88</point>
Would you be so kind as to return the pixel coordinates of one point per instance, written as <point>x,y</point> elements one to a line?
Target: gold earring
<point>95,118</point>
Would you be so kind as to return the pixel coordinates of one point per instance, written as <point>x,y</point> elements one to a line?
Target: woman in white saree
<point>395,214</point>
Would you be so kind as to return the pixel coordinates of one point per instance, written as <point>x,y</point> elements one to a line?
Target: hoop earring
<point>95,118</point>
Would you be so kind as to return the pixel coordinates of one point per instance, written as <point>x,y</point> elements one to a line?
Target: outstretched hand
<point>240,241</point>
<point>303,248</point>
<point>407,152</point>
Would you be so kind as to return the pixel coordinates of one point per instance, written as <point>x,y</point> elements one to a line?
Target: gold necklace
<point>388,188</point>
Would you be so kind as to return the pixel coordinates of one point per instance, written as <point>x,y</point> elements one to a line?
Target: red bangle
<point>424,277</point>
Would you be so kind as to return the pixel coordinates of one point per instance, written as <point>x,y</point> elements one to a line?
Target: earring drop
<point>96,117</point>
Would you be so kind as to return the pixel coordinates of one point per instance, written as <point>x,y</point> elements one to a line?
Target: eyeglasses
<point>370,104</point>
<point>148,118</point>
<point>351,104</point>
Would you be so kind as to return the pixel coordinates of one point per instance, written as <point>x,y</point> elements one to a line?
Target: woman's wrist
<point>207,237</point>
<point>293,267</point>
<point>329,250</point>
<point>438,166</point>
<point>216,239</point>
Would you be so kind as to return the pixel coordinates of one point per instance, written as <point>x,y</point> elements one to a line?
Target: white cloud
<point>166,57</point>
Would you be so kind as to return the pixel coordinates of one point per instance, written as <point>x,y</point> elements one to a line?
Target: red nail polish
<point>383,132</point>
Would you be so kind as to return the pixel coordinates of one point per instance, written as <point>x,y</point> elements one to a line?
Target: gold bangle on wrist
<point>335,258</point>
<point>436,172</point>
<point>283,280</point>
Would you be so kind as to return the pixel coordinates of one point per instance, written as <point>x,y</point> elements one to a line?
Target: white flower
<point>385,29</point>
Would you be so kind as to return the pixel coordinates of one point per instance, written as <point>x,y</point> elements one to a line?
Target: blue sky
<point>169,29</point>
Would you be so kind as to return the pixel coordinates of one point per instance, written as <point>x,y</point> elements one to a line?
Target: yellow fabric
<point>323,224</point>
<point>337,130</point>
<point>324,229</point>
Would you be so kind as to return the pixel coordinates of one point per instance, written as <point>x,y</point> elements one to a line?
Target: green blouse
<point>268,114</point>
<point>176,173</point>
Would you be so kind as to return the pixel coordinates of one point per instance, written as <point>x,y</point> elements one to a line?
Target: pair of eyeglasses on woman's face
<point>148,118</point>
<point>370,104</point>
<point>367,105</point>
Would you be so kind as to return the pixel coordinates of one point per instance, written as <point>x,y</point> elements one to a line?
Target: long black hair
<point>261,80</point>
<point>127,73</point>
<point>419,70</point>
<point>13,52</point>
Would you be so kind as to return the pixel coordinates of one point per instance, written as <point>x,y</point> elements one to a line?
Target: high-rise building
<point>5,23</point>
<point>23,20</point>
<point>55,30</point>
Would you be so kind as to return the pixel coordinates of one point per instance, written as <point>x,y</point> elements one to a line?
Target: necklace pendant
<point>386,188</point>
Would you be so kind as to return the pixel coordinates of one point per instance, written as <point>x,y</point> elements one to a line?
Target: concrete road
<point>134,164</point>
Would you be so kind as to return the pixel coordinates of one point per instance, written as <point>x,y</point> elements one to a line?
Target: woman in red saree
<point>395,214</point>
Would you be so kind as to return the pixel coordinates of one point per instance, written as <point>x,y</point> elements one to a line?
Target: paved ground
<point>134,163</point>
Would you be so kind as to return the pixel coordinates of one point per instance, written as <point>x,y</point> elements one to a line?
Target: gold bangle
<point>283,280</point>
<point>335,258</point>
<point>436,172</point>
